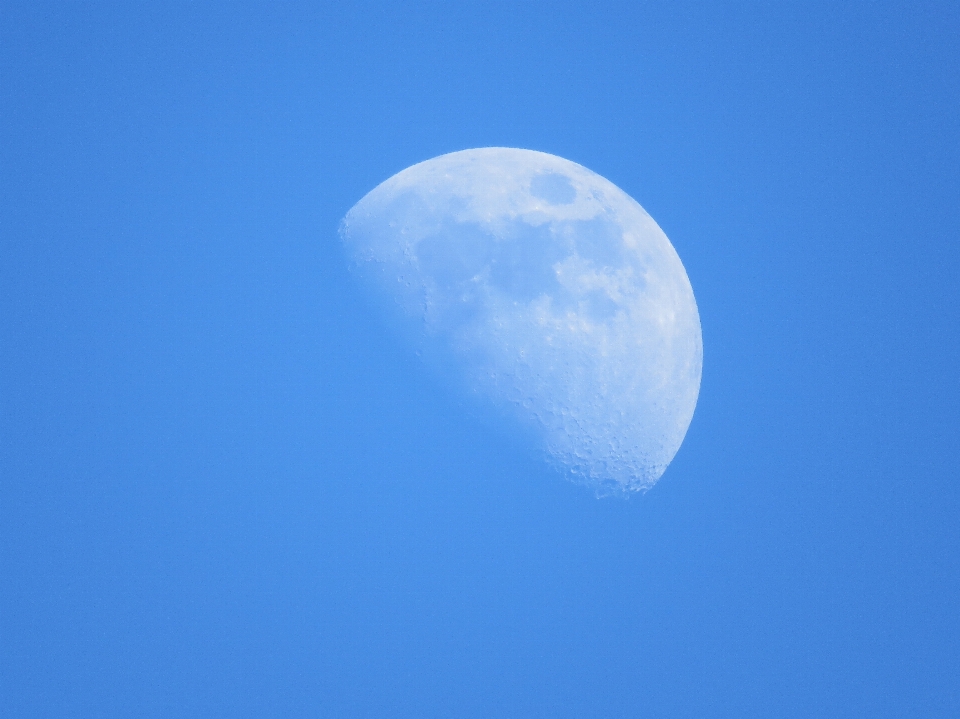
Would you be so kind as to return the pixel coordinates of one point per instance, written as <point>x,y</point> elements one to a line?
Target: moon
<point>548,292</point>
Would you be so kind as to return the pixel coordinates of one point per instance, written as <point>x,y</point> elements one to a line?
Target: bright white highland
<point>553,293</point>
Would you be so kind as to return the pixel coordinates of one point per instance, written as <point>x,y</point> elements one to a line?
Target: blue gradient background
<point>225,491</point>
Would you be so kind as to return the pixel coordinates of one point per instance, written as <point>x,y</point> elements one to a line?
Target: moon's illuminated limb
<point>554,293</point>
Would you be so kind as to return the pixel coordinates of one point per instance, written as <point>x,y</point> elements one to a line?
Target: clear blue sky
<point>226,492</point>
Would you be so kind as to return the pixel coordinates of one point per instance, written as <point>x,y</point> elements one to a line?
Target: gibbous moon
<point>549,292</point>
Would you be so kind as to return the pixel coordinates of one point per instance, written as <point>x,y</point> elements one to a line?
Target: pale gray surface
<point>553,293</point>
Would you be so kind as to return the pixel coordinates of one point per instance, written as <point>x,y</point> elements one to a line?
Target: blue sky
<point>226,491</point>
